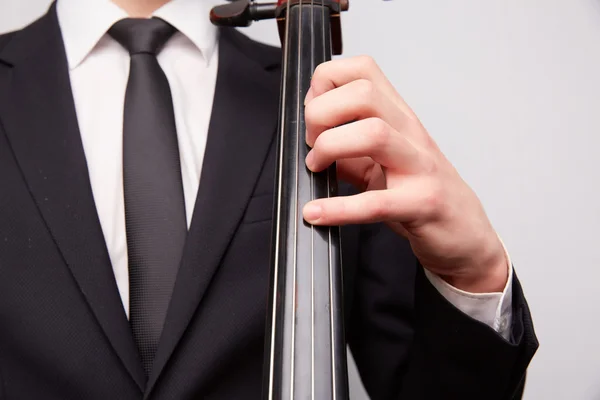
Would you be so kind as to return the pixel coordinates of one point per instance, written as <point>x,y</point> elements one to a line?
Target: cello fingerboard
<point>305,344</point>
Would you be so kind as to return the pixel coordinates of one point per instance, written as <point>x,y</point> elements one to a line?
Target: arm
<point>409,342</point>
<point>494,309</point>
<point>355,117</point>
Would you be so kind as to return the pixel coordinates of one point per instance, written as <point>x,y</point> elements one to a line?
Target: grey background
<point>510,90</point>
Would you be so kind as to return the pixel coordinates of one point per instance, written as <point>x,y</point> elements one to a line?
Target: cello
<point>305,347</point>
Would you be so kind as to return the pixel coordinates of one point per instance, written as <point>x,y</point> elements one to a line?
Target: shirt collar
<point>84,23</point>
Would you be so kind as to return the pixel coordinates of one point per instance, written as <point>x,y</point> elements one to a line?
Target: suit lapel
<point>241,130</point>
<point>38,115</point>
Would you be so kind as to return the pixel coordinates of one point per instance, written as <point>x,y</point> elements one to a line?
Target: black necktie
<point>154,204</point>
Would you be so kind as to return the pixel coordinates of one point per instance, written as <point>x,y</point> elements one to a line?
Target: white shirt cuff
<point>493,309</point>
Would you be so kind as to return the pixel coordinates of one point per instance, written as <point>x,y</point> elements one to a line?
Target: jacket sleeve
<point>410,343</point>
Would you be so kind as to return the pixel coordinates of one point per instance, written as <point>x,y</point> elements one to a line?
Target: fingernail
<point>312,212</point>
<point>309,159</point>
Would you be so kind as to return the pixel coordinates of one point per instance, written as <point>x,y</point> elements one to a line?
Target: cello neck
<point>305,347</point>
<point>305,344</point>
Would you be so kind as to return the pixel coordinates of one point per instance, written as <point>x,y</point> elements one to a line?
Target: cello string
<point>312,228</point>
<point>276,266</point>
<point>296,207</point>
<point>330,248</point>
<point>330,176</point>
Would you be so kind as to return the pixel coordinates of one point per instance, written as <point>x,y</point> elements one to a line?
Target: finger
<point>363,173</point>
<point>337,73</point>
<point>370,137</point>
<point>355,101</point>
<point>417,200</point>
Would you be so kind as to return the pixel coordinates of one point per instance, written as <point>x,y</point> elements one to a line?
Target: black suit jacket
<point>63,331</point>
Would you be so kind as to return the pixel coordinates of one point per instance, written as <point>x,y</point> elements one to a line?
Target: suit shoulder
<point>5,38</point>
<point>266,55</point>
<point>20,43</point>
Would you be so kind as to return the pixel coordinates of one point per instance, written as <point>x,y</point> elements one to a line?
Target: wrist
<point>489,276</point>
<point>492,282</point>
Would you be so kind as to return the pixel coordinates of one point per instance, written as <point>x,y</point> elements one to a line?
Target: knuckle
<point>331,211</point>
<point>366,90</point>
<point>379,208</point>
<point>311,114</point>
<point>379,132</point>
<point>323,144</point>
<point>433,199</point>
<point>428,163</point>
<point>367,63</point>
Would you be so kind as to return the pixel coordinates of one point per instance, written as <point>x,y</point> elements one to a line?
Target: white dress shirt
<point>99,70</point>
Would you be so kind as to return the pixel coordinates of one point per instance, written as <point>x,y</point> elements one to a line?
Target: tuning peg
<point>242,13</point>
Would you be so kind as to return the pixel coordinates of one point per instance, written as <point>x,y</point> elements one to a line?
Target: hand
<point>355,116</point>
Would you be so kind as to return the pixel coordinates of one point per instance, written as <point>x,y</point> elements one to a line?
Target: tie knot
<point>142,35</point>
